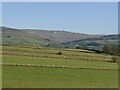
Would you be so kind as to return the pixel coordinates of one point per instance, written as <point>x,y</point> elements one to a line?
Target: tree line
<point>112,50</point>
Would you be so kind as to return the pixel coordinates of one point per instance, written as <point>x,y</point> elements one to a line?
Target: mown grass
<point>48,61</point>
<point>68,53</point>
<point>33,77</point>
<point>42,77</point>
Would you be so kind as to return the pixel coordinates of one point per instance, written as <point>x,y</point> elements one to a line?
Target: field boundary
<point>39,52</point>
<point>54,66</point>
<point>66,58</point>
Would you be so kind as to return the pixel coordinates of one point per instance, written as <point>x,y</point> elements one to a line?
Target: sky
<point>82,17</point>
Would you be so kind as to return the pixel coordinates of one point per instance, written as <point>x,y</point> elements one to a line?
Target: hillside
<point>40,37</point>
<point>16,36</point>
<point>94,41</point>
<point>53,38</point>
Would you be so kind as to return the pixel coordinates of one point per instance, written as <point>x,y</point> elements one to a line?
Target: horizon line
<point>57,30</point>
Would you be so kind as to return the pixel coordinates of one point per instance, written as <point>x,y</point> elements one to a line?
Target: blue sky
<point>88,17</point>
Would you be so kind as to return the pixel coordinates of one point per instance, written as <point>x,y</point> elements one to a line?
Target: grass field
<point>57,71</point>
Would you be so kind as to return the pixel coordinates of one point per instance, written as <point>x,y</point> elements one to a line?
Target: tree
<point>106,49</point>
<point>113,50</point>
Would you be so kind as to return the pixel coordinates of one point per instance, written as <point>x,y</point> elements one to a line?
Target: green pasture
<point>49,61</point>
<point>33,77</point>
<point>42,77</point>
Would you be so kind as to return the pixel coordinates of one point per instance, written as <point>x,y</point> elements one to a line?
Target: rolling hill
<point>16,36</point>
<point>53,38</point>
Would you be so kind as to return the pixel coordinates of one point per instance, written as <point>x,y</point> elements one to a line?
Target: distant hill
<point>51,38</point>
<point>39,37</point>
<point>17,36</point>
<point>94,41</point>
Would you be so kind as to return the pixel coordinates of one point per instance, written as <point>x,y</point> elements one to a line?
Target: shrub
<point>8,36</point>
<point>115,59</point>
<point>77,47</point>
<point>59,53</point>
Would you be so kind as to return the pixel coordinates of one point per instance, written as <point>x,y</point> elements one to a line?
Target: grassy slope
<point>11,36</point>
<point>21,37</point>
<point>38,37</point>
<point>42,77</point>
